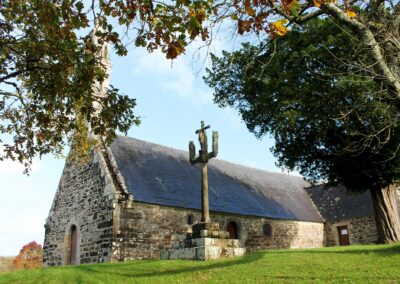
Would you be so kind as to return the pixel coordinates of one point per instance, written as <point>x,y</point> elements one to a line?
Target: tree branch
<point>9,76</point>
<point>299,18</point>
<point>368,37</point>
<point>306,17</point>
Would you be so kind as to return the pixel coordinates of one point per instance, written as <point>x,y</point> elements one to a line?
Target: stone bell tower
<point>103,54</point>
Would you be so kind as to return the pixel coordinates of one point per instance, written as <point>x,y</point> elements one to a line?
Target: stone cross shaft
<point>203,158</point>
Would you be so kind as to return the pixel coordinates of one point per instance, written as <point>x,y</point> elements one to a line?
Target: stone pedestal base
<point>204,243</point>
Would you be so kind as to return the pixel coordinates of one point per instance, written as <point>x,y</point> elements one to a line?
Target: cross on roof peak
<point>202,128</point>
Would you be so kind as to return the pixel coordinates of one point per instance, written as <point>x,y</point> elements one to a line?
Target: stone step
<point>203,253</point>
<point>210,234</point>
<point>215,242</point>
<point>205,226</point>
<point>198,242</point>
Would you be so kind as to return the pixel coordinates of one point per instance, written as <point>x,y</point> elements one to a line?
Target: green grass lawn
<point>353,264</point>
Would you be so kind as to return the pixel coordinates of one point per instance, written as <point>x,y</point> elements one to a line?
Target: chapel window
<point>190,219</point>
<point>267,230</point>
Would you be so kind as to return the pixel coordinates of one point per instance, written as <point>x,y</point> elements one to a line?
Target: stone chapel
<point>136,200</point>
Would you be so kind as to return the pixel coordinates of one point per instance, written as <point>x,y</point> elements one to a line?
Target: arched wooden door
<point>233,230</point>
<point>74,245</point>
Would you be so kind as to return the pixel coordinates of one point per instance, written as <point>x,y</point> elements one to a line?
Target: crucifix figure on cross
<point>203,158</point>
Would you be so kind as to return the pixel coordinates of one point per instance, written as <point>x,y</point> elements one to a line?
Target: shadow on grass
<point>380,250</point>
<point>335,279</point>
<point>153,272</point>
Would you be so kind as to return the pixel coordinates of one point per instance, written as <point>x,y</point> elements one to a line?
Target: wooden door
<point>343,235</point>
<point>74,245</point>
<point>233,230</point>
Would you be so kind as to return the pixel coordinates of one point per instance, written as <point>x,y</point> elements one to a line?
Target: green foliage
<point>353,264</point>
<point>166,25</point>
<point>46,78</point>
<point>328,116</point>
<point>47,70</point>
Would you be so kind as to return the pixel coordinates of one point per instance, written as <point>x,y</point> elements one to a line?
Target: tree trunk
<point>386,214</point>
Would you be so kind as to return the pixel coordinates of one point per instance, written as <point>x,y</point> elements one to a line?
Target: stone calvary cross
<point>203,158</point>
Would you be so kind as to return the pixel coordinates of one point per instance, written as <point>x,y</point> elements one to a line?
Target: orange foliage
<point>279,28</point>
<point>350,13</point>
<point>30,256</point>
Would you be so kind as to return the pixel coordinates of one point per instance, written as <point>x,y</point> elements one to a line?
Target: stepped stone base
<point>205,243</point>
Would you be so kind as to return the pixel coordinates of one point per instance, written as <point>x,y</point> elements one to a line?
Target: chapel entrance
<point>343,236</point>
<point>233,230</point>
<point>74,245</point>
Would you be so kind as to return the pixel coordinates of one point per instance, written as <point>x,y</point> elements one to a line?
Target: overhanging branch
<point>368,38</point>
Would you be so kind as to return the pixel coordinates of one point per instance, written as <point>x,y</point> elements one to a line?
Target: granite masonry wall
<point>146,229</point>
<point>362,230</point>
<point>83,199</point>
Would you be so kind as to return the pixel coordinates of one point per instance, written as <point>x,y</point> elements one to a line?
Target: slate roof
<point>335,203</point>
<point>161,175</point>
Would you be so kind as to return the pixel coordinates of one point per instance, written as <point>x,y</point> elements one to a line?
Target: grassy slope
<point>356,264</point>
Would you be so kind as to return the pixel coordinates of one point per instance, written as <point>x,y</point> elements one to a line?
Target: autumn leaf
<point>240,27</point>
<point>288,5</point>
<point>278,27</point>
<point>172,52</point>
<point>204,35</point>
<point>350,13</point>
<point>243,26</point>
<point>201,15</point>
<point>175,49</point>
<point>249,10</point>
<point>318,3</point>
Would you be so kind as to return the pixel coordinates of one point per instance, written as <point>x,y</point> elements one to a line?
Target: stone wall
<point>145,230</point>
<point>362,230</point>
<point>83,199</point>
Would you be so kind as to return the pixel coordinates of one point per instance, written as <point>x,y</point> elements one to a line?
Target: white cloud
<point>288,172</point>
<point>232,117</point>
<point>154,63</point>
<point>8,167</point>
<point>15,232</point>
<point>25,202</point>
<point>175,77</point>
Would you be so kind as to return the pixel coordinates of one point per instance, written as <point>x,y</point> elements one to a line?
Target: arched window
<point>74,245</point>
<point>233,230</point>
<point>267,230</point>
<point>190,219</point>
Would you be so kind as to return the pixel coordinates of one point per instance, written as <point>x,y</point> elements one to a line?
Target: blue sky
<point>172,99</point>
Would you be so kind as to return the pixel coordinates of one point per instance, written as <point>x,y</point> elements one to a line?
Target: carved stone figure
<point>203,158</point>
